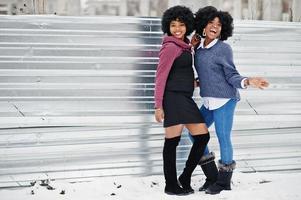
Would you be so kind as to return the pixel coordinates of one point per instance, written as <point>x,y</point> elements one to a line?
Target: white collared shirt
<point>212,103</point>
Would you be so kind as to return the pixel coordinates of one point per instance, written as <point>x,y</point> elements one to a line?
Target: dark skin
<point>178,30</point>
<point>213,30</point>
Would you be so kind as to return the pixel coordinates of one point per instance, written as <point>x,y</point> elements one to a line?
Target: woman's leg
<point>223,119</point>
<point>174,131</point>
<point>208,117</point>
<point>172,138</point>
<point>200,136</point>
<point>207,162</point>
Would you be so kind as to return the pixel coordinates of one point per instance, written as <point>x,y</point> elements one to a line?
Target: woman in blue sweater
<point>219,82</point>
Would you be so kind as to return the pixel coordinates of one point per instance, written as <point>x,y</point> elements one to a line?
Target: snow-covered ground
<point>245,186</point>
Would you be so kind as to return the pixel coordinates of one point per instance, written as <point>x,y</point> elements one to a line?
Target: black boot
<point>223,179</point>
<point>209,168</point>
<point>169,166</point>
<point>196,152</point>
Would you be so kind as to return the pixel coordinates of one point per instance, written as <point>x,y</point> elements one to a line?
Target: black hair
<point>180,13</point>
<point>205,15</point>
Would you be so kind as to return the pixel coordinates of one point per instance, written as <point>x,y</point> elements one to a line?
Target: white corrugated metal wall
<point>76,97</point>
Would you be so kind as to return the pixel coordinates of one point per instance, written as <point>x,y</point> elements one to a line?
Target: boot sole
<point>210,192</point>
<point>213,193</point>
<point>188,191</point>
<point>171,193</point>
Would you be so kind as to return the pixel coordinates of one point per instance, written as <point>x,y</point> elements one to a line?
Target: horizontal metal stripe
<point>100,59</point>
<point>106,86</point>
<point>139,47</point>
<point>58,72</point>
<point>131,75</point>
<point>130,52</point>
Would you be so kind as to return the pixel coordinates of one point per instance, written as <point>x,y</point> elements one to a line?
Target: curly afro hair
<point>204,15</point>
<point>180,13</point>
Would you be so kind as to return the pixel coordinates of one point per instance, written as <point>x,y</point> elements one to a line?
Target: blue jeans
<point>223,120</point>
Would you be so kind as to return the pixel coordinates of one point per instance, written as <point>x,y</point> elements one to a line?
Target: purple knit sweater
<point>170,50</point>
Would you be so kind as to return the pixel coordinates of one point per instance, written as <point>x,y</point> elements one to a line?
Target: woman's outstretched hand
<point>258,82</point>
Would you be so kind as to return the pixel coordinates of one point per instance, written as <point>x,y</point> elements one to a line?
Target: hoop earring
<point>204,33</point>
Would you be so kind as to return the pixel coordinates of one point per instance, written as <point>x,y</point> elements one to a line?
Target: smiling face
<point>213,29</point>
<point>177,29</point>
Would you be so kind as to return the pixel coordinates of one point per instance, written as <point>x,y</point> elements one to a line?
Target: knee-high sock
<point>169,160</point>
<point>196,152</point>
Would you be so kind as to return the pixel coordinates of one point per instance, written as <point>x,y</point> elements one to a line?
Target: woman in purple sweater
<point>174,105</point>
<point>219,84</point>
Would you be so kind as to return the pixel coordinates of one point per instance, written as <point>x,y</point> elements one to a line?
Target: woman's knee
<point>197,129</point>
<point>173,131</point>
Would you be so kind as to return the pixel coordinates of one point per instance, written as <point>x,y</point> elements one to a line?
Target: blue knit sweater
<point>217,73</point>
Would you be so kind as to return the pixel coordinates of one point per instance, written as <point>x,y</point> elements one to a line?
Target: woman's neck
<point>207,41</point>
<point>182,39</point>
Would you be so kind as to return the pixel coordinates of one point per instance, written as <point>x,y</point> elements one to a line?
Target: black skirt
<point>180,108</point>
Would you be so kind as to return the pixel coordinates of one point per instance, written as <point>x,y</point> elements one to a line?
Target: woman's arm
<point>235,79</point>
<point>231,74</point>
<point>167,55</point>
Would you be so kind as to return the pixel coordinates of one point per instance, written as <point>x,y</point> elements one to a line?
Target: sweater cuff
<point>158,104</point>
<point>242,83</point>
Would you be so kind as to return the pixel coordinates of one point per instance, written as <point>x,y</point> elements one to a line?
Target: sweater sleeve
<point>168,53</point>
<point>232,75</point>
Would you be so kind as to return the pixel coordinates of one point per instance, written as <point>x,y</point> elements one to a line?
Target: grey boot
<point>209,168</point>
<point>223,179</point>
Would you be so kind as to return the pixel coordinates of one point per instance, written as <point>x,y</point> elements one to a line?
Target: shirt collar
<point>211,44</point>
